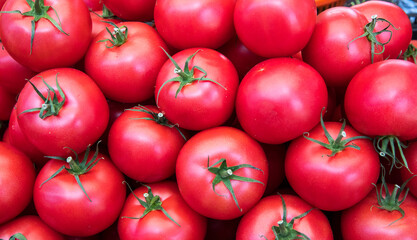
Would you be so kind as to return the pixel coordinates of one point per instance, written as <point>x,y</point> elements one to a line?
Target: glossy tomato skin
<point>279,99</point>
<point>17,177</point>
<point>188,24</point>
<point>131,9</point>
<point>155,225</point>
<point>330,50</point>
<point>143,149</point>
<point>260,219</point>
<point>381,100</point>
<point>267,27</point>
<point>401,37</point>
<point>127,73</point>
<point>366,221</point>
<point>411,155</point>
<point>31,226</point>
<point>98,23</point>
<point>331,183</point>
<point>51,48</point>
<point>201,104</point>
<point>94,5</point>
<point>62,204</point>
<point>208,147</point>
<point>81,120</point>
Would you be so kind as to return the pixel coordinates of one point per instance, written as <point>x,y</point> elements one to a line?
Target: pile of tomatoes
<point>209,119</point>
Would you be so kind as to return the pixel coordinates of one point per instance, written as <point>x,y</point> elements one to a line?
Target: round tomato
<point>74,122</point>
<point>31,227</point>
<point>279,99</point>
<point>17,176</point>
<point>228,171</point>
<point>131,9</point>
<point>277,28</point>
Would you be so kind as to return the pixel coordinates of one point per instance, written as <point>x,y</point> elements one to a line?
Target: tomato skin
<point>381,100</point>
<point>51,48</point>
<point>279,99</point>
<point>80,122</point>
<point>134,143</point>
<point>98,25</point>
<point>16,194</point>
<point>155,225</point>
<point>189,24</point>
<point>214,144</point>
<point>94,5</point>
<point>260,219</point>
<point>31,226</point>
<point>132,10</point>
<point>201,104</point>
<point>267,27</point>
<point>62,204</point>
<point>366,221</point>
<point>411,155</point>
<point>330,50</point>
<point>311,172</point>
<point>130,69</point>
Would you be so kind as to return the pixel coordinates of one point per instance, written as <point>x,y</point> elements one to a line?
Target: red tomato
<point>277,28</point>
<point>227,178</point>
<point>17,176</point>
<point>332,50</point>
<point>178,221</point>
<point>7,101</point>
<point>51,47</point>
<point>80,121</point>
<point>263,219</point>
<point>130,68</point>
<point>411,155</point>
<point>76,211</point>
<point>32,227</point>
<point>131,9</point>
<point>141,136</point>
<point>94,5</point>
<point>313,169</point>
<point>279,99</point>
<point>188,24</point>
<point>400,36</point>
<point>202,94</point>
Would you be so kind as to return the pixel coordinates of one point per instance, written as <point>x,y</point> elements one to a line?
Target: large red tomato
<point>277,28</point>
<point>31,227</point>
<point>75,122</point>
<point>279,99</point>
<point>43,45</point>
<point>228,172</point>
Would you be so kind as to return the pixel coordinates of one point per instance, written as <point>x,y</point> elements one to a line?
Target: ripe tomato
<point>31,227</point>
<point>227,178</point>
<point>80,120</point>
<point>267,28</point>
<point>17,176</point>
<point>131,9</point>
<point>51,47</point>
<point>169,217</point>
<point>279,99</point>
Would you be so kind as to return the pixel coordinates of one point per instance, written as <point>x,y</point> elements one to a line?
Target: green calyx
<point>185,76</point>
<point>411,52</point>
<point>17,236</point>
<point>77,168</point>
<point>107,14</point>
<point>357,2</point>
<point>38,11</point>
<point>371,35</point>
<point>157,117</point>
<point>338,144</point>
<point>151,203</point>
<point>118,35</point>
<point>225,174</point>
<point>51,105</point>
<point>387,146</point>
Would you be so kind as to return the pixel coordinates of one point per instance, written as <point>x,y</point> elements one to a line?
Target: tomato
<point>188,24</point>
<point>140,137</point>
<point>169,217</point>
<point>7,100</point>
<point>94,5</point>
<point>277,28</point>
<point>131,66</point>
<point>400,33</point>
<point>31,227</point>
<point>131,9</point>
<point>279,99</point>
<point>79,121</point>
<point>199,95</point>
<point>227,180</point>
<point>332,50</point>
<point>17,176</point>
<point>84,206</point>
<point>411,155</point>
<point>270,216</point>
<point>51,46</point>
<point>348,165</point>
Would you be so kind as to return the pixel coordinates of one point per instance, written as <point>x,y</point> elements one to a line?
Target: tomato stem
<point>411,52</point>
<point>17,236</point>
<point>387,146</point>
<point>118,36</point>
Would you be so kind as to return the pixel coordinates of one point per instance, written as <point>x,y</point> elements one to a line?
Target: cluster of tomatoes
<point>208,119</point>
